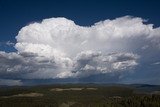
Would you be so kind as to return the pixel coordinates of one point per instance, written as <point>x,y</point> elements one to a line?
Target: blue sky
<point>112,41</point>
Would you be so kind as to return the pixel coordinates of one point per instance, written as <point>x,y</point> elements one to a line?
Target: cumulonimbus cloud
<point>58,48</point>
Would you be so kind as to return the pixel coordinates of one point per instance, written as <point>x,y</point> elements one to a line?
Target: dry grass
<point>91,88</point>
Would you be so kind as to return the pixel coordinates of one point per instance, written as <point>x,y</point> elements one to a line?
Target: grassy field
<point>81,95</point>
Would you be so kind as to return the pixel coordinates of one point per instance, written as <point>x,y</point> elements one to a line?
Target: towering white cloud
<point>58,48</point>
<point>62,36</point>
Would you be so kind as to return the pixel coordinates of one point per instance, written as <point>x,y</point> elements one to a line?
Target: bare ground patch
<point>71,89</point>
<point>25,95</point>
<point>66,89</point>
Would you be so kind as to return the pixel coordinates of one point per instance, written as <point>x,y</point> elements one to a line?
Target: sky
<point>90,41</point>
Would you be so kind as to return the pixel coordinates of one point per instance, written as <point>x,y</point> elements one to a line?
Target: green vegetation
<point>80,95</point>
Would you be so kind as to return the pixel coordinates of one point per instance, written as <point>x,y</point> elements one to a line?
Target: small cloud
<point>9,43</point>
<point>156,63</point>
<point>145,47</point>
<point>6,43</point>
